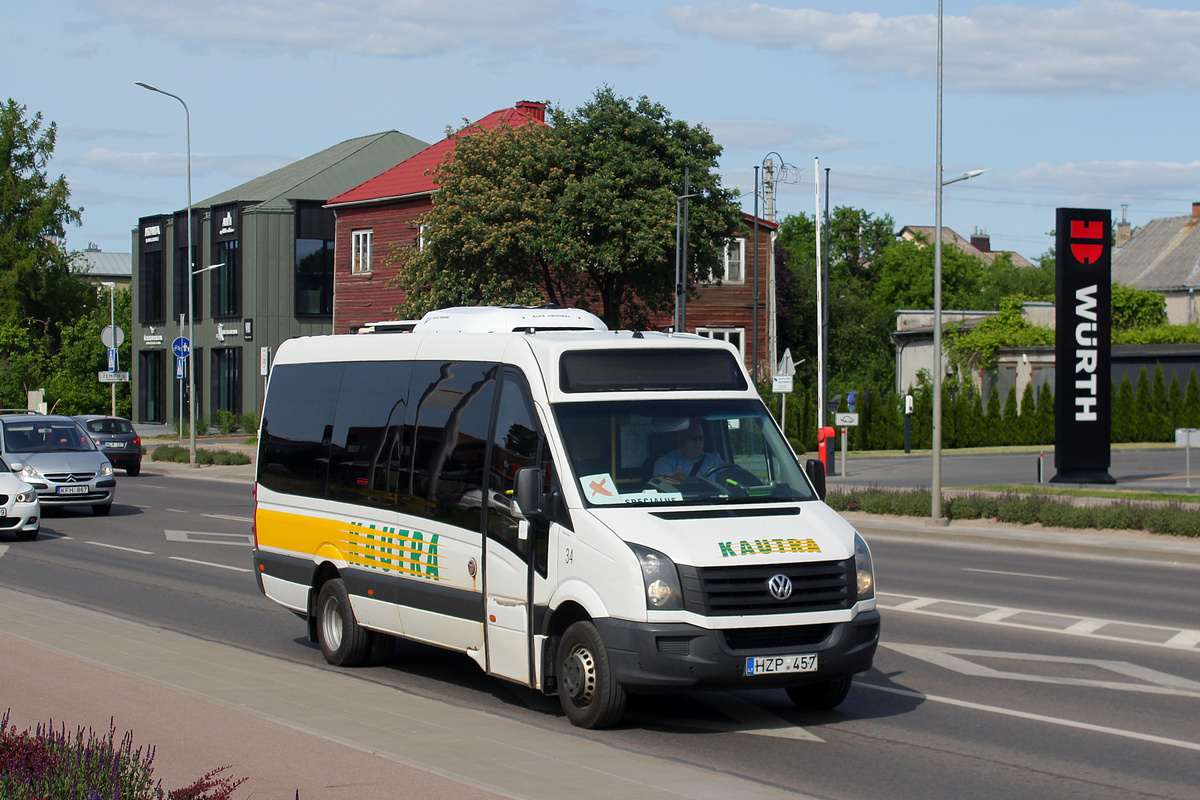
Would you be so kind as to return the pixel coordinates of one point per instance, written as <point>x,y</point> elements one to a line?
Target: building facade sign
<point>1083,345</point>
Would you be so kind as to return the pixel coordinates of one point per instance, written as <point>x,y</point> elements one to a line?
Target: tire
<point>587,688</point>
<point>344,642</point>
<point>102,509</point>
<point>379,652</point>
<point>820,696</point>
<point>28,536</point>
<point>134,470</point>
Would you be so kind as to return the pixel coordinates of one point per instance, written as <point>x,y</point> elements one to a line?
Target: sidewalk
<point>291,727</point>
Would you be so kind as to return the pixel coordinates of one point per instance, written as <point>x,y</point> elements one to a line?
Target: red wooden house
<point>385,211</point>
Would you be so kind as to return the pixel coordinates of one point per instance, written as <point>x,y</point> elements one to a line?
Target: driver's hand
<point>674,477</point>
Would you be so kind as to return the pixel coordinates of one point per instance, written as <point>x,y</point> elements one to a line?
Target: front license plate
<point>72,490</point>
<point>770,665</point>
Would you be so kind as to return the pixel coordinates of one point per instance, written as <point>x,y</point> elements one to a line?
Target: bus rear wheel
<point>344,643</point>
<point>587,688</point>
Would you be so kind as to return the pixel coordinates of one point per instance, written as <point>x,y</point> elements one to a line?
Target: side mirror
<point>527,493</point>
<point>815,470</point>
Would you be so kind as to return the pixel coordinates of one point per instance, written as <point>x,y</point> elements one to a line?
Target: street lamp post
<point>681,254</point>
<point>191,290</point>
<point>112,326</point>
<point>936,484</point>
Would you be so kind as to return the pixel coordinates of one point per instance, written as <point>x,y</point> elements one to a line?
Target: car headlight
<point>106,469</point>
<point>660,578</point>
<point>28,473</point>
<point>27,497</point>
<point>864,568</point>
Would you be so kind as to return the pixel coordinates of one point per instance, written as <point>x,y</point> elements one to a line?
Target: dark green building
<point>275,242</point>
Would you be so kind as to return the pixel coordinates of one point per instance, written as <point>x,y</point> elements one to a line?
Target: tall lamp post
<point>191,290</point>
<point>936,484</point>
<point>681,253</point>
<point>112,326</point>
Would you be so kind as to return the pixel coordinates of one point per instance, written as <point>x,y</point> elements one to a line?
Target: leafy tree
<point>1001,278</point>
<point>37,287</point>
<point>581,212</point>
<point>906,272</point>
<point>860,352</point>
<point>1137,308</point>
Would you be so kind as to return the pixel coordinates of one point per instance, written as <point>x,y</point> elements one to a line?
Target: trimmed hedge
<point>179,454</point>
<point>1170,519</point>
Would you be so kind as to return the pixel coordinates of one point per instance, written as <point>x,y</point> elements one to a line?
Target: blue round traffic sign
<point>181,347</point>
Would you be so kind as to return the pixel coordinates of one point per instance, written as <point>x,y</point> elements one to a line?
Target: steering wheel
<point>730,476</point>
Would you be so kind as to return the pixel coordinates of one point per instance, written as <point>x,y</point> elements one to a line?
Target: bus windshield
<point>691,452</point>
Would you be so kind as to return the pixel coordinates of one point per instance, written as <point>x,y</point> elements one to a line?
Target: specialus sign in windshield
<point>679,452</point>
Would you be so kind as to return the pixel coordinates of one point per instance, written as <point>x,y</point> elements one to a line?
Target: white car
<point>19,502</point>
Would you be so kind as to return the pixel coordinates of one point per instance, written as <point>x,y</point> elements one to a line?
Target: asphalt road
<point>1003,673</point>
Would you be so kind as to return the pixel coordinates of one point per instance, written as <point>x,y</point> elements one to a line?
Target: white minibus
<point>582,511</point>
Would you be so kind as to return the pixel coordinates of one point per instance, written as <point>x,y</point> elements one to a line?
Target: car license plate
<point>72,490</point>
<point>114,445</point>
<point>770,665</point>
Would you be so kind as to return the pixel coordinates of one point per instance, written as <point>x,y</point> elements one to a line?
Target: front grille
<point>737,590</point>
<point>69,477</point>
<point>791,636</point>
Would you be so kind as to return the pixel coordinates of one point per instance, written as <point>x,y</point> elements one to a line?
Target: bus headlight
<point>864,568</point>
<point>660,578</point>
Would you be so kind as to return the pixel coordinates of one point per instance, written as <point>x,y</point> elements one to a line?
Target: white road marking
<point>1017,574</point>
<point>228,517</point>
<point>210,537</point>
<point>119,547</point>
<point>1010,712</point>
<point>1044,621</point>
<point>3,550</point>
<point>1139,679</point>
<point>209,564</point>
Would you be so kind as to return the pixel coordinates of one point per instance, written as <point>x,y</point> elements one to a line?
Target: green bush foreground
<point>47,763</point>
<point>179,454</point>
<point>1170,518</point>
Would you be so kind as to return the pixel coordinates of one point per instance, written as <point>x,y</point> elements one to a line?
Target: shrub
<point>225,421</point>
<point>1065,515</point>
<point>248,423</point>
<point>178,454</point>
<point>972,507</point>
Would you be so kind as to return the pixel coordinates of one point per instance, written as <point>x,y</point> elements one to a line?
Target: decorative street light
<point>936,485</point>
<point>191,291</point>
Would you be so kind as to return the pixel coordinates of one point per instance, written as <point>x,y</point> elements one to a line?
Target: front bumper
<point>99,492</point>
<point>20,517</point>
<point>650,656</point>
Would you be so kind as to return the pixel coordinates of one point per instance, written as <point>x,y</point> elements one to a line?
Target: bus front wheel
<point>587,687</point>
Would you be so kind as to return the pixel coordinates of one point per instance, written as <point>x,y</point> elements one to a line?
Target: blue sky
<point>1090,103</point>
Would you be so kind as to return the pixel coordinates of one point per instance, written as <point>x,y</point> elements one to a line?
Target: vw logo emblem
<point>780,587</point>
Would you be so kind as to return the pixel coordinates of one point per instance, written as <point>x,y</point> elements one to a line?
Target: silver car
<point>20,511</point>
<point>59,459</point>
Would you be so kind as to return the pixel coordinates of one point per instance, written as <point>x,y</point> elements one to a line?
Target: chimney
<point>1196,209</point>
<point>535,111</point>
<point>1124,234</point>
<point>981,241</point>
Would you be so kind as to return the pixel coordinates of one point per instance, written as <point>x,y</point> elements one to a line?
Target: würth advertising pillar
<point>1083,343</point>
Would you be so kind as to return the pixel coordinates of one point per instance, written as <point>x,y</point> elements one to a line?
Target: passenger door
<point>516,442</point>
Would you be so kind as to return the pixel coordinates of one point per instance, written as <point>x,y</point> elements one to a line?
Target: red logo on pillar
<point>1087,253</point>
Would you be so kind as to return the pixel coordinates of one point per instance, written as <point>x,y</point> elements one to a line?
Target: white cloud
<point>174,164</point>
<point>757,135</point>
<point>400,28</point>
<point>1097,46</point>
<point>1111,178</point>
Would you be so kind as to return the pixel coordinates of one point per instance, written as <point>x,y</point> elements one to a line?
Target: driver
<point>689,459</point>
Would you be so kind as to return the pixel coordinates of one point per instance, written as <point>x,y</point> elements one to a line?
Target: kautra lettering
<point>763,546</point>
<point>394,550</point>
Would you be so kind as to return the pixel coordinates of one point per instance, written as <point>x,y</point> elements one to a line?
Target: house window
<point>226,284</point>
<point>314,277</point>
<point>151,302</point>
<point>420,237</point>
<point>735,336</point>
<point>735,259</point>
<point>360,252</point>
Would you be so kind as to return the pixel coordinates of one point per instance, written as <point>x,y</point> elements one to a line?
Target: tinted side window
<point>370,415</point>
<point>451,404</point>
<point>297,428</point>
<point>515,445</point>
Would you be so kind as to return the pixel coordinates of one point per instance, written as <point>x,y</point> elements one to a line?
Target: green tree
<point>1137,308</point>
<point>1143,409</point>
<point>1028,423</point>
<point>580,212</point>
<point>906,276</point>
<point>1045,415</point>
<point>1160,419</point>
<point>1124,411</point>
<point>1011,426</point>
<point>1175,414</point>
<point>993,421</point>
<point>37,287</point>
<point>1001,278</point>
<point>1191,402</point>
<point>860,352</point>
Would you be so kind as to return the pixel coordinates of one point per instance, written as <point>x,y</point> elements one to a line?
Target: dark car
<point>117,439</point>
